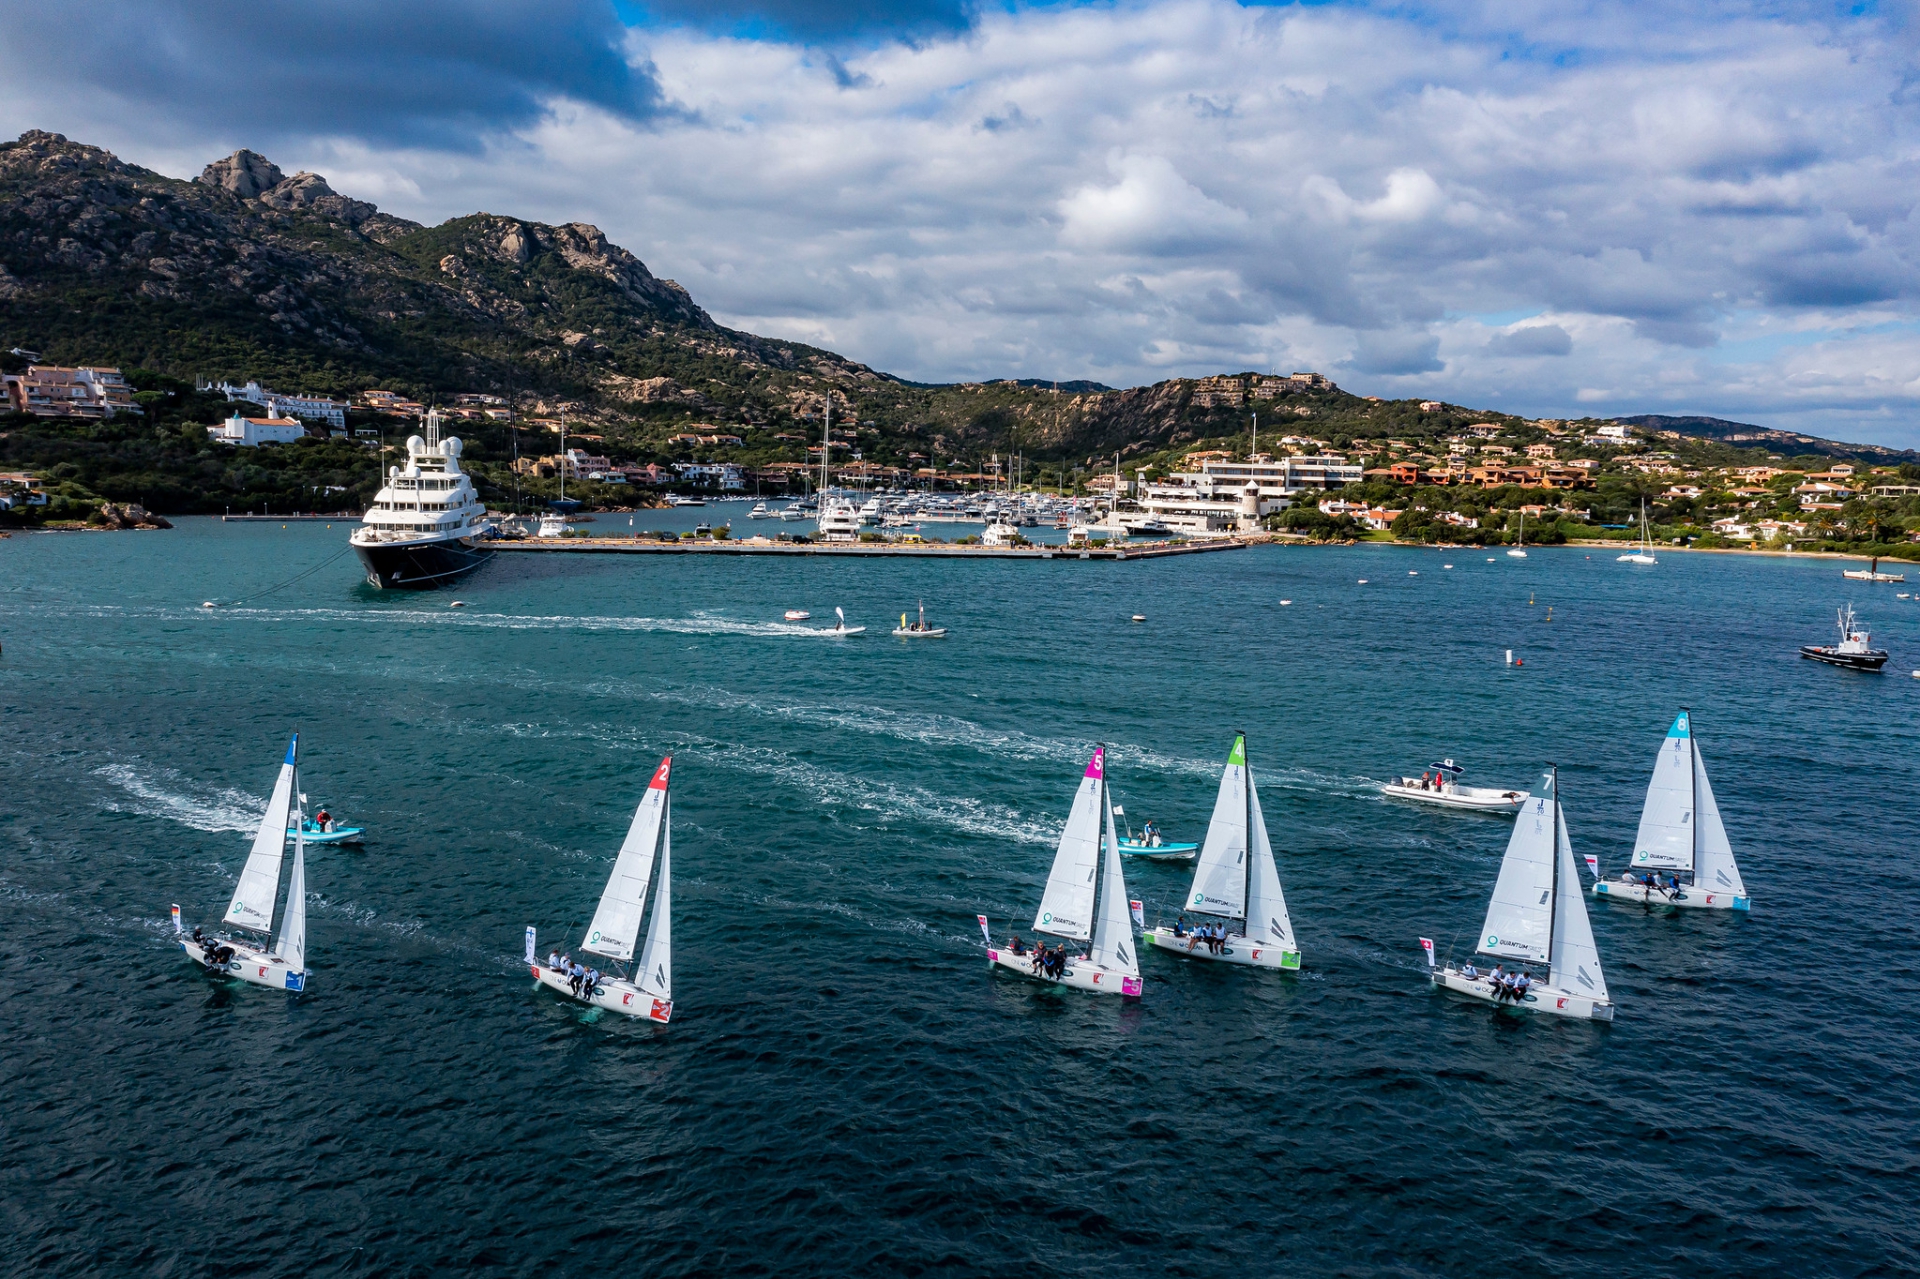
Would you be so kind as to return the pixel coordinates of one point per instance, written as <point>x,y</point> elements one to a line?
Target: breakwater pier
<point>861,550</point>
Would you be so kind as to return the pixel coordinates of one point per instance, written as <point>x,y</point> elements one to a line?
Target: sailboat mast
<point>1246,840</point>
<point>1553,909</point>
<point>1100,861</point>
<point>1693,783</point>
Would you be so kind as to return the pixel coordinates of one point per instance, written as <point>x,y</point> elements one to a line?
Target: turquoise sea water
<point>845,1087</point>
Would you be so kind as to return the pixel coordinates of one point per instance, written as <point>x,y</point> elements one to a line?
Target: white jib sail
<point>1267,921</point>
<point>253,897</point>
<point>291,945</point>
<point>1715,871</point>
<point>1220,878</point>
<point>1113,947</point>
<point>1666,837</point>
<point>1521,912</point>
<point>655,975</point>
<point>616,924</point>
<point>1066,908</point>
<point>1575,963</point>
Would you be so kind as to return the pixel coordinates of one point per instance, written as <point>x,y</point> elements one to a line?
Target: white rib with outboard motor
<point>1085,899</point>
<point>259,952</point>
<point>1236,880</point>
<point>646,857</point>
<point>1680,832</point>
<point>1538,915</point>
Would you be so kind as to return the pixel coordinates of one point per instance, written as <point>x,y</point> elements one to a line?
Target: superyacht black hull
<point>422,566</point>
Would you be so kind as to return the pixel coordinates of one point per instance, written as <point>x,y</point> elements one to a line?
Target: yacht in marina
<point>427,526</point>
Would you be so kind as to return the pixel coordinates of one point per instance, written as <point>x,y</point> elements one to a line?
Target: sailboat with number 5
<point>1085,901</point>
<point>1680,833</point>
<point>263,950</point>
<point>645,861</point>
<point>1236,881</point>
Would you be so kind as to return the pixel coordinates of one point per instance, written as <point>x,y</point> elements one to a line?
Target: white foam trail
<point>167,795</point>
<point>701,623</point>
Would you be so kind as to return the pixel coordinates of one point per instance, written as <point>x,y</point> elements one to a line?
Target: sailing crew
<point>553,961</point>
<point>592,980</point>
<point>1469,972</point>
<point>1521,985</point>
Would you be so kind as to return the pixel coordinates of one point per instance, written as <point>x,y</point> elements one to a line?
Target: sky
<point>1557,209</point>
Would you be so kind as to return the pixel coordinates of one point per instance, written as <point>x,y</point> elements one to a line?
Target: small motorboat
<point>1854,651</point>
<point>677,500</point>
<point>759,512</point>
<point>1150,845</point>
<point>315,831</point>
<point>796,615</point>
<point>919,629</point>
<point>1872,573</point>
<point>1440,784</point>
<point>841,630</point>
<point>703,529</point>
<point>552,524</point>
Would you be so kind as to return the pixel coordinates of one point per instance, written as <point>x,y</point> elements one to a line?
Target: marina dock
<point>862,550</point>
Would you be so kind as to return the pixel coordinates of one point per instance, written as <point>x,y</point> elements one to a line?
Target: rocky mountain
<point>1747,435</point>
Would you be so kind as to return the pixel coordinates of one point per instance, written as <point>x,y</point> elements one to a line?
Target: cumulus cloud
<point>1126,191</point>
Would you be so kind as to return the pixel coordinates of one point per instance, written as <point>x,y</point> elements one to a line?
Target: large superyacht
<point>427,527</point>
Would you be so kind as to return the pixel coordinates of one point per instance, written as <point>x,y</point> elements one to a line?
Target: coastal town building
<point>251,432</point>
<point>54,391</point>
<point>308,408</point>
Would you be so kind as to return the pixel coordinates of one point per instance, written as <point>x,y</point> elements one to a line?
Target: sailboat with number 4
<point>1680,833</point>
<point>645,860</point>
<point>264,951</point>
<point>1236,881</point>
<point>1538,915</point>
<point>1085,900</point>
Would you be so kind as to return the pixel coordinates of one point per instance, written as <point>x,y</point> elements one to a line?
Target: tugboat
<point>425,529</point>
<point>1853,651</point>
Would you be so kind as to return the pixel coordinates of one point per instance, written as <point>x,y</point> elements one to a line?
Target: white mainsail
<point>1267,920</point>
<point>1575,962</point>
<point>1066,908</point>
<point>1666,837</point>
<point>655,975</point>
<point>253,897</point>
<point>616,924</point>
<point>1715,870</point>
<point>1112,947</point>
<point>1220,878</point>
<point>291,945</point>
<point>1520,916</point>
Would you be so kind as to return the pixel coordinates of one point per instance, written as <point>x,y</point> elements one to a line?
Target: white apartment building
<point>1224,495</point>
<point>311,408</point>
<point>250,432</point>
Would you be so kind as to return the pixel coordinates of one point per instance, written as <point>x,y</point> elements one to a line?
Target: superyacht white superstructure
<point>425,527</point>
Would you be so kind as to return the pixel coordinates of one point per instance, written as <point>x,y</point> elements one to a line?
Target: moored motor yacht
<point>426,527</point>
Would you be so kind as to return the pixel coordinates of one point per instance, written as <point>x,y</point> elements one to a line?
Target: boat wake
<point>166,794</point>
<point>701,622</point>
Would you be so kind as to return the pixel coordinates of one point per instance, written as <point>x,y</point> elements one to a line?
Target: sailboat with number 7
<point>1538,915</point>
<point>1680,833</point>
<point>265,951</point>
<point>1085,900</point>
<point>645,861</point>
<point>1237,881</point>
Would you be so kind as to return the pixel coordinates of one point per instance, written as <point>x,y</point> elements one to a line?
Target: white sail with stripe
<point>259,886</point>
<point>1066,908</point>
<point>1113,945</point>
<point>1520,917</point>
<point>291,944</point>
<point>1267,921</point>
<point>1666,837</point>
<point>1575,962</point>
<point>1220,878</point>
<point>655,975</point>
<point>1715,870</point>
<point>616,924</point>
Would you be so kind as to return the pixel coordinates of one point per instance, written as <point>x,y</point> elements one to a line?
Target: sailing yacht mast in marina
<point>1680,833</point>
<point>1236,880</point>
<point>262,953</point>
<point>645,857</point>
<point>1085,899</point>
<point>1538,915</point>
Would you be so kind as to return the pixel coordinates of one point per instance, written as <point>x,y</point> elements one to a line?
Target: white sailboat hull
<point>1690,896</point>
<point>1540,999</point>
<point>1235,950</point>
<point>1079,972</point>
<point>610,993</point>
<point>1478,798</point>
<point>250,965</point>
